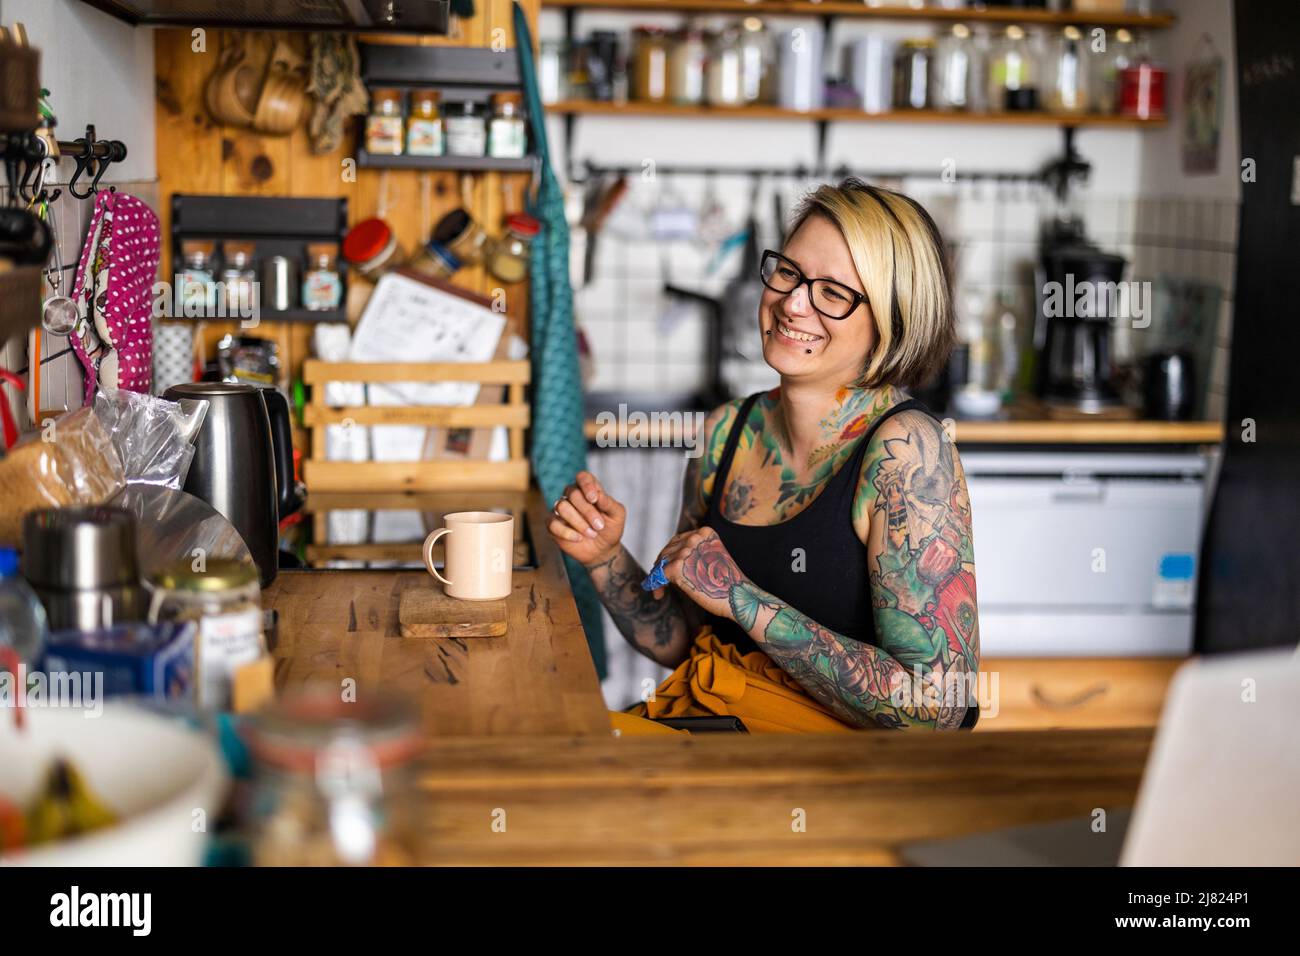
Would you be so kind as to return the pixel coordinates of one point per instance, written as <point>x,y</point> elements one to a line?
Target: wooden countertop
<point>538,679</point>
<point>730,799</point>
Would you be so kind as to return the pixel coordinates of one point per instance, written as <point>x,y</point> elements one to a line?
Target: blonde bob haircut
<point>898,253</point>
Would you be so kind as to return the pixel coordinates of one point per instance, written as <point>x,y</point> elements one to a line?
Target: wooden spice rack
<point>322,475</point>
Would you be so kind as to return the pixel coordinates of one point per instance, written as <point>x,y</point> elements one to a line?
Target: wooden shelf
<point>452,163</point>
<point>598,108</point>
<point>842,8</point>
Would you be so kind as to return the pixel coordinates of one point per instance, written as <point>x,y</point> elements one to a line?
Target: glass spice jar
<point>424,125</point>
<point>335,783</point>
<point>650,50</point>
<point>224,597</point>
<point>372,248</point>
<point>435,260</point>
<point>197,281</point>
<point>384,124</point>
<point>238,278</point>
<point>724,74</point>
<point>686,68</point>
<point>466,131</point>
<point>507,134</point>
<point>912,66</point>
<point>322,289</point>
<point>508,260</point>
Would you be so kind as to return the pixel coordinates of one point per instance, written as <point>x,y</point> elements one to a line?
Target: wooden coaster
<point>428,612</point>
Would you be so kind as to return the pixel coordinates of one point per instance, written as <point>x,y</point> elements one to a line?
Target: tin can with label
<point>222,596</point>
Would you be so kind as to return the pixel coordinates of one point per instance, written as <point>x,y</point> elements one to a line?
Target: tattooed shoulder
<point>701,468</point>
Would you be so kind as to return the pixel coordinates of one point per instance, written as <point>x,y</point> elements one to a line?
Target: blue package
<point>135,659</point>
<point>655,579</point>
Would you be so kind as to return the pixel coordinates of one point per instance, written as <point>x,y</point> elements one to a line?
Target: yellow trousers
<point>716,679</point>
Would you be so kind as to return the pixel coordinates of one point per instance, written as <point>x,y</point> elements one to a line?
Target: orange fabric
<point>718,680</point>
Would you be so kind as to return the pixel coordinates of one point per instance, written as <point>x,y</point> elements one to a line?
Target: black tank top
<point>814,561</point>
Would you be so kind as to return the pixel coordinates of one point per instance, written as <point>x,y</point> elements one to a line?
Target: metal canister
<point>81,562</point>
<point>279,282</point>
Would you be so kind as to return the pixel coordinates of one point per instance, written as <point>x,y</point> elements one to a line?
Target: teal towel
<point>559,447</point>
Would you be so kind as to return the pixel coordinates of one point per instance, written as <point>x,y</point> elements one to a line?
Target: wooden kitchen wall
<point>196,155</point>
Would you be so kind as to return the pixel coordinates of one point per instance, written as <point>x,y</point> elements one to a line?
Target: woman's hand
<point>700,565</point>
<point>587,523</point>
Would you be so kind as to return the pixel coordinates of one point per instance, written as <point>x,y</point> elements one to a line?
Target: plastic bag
<point>70,461</point>
<point>153,436</point>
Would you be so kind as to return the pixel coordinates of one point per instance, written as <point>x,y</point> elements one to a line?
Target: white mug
<point>478,557</point>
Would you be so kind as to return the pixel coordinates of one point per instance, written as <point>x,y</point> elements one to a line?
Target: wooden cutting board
<point>428,612</point>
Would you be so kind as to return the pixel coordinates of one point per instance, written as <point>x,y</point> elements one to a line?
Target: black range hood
<point>371,16</point>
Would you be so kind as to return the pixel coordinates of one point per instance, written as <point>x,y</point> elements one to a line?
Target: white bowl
<point>151,771</point>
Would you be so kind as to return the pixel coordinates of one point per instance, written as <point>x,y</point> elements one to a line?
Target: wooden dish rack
<point>321,474</point>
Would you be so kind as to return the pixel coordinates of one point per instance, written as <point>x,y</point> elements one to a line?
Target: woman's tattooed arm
<point>662,629</point>
<point>922,578</point>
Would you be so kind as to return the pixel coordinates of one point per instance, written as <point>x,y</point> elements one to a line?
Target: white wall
<point>98,70</point>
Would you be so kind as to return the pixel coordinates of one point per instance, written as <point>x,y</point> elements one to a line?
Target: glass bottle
<point>1068,86</point>
<point>466,131</point>
<point>23,627</point>
<point>322,289</point>
<point>424,125</point>
<point>384,124</point>
<point>951,82</point>
<point>507,133</point>
<point>1013,84</point>
<point>755,61</point>
<point>553,71</point>
<point>686,68</point>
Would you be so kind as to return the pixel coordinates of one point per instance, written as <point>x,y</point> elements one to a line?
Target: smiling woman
<point>823,575</point>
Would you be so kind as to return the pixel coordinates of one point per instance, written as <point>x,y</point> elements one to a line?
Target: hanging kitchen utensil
<point>59,311</point>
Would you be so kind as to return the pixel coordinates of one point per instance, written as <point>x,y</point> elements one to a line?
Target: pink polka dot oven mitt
<point>113,290</point>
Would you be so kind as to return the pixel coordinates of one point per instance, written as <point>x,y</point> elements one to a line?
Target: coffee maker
<point>1077,286</point>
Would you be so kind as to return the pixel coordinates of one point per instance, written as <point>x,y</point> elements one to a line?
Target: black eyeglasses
<point>832,299</point>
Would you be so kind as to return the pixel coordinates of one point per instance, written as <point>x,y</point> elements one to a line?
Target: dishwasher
<point>1083,553</point>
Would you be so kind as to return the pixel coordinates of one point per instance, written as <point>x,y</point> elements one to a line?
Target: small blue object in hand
<point>655,579</point>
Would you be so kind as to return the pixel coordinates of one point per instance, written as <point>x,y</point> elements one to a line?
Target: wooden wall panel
<point>196,155</point>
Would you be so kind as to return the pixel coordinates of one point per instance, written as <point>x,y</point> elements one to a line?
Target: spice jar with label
<point>466,130</point>
<point>197,281</point>
<point>335,782</point>
<point>952,75</point>
<point>223,596</point>
<point>238,278</point>
<point>424,125</point>
<point>508,259</point>
<point>507,134</point>
<point>1068,77</point>
<point>384,124</point>
<point>322,289</point>
<point>372,249</point>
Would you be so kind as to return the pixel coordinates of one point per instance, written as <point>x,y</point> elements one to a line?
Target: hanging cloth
<point>559,446</point>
